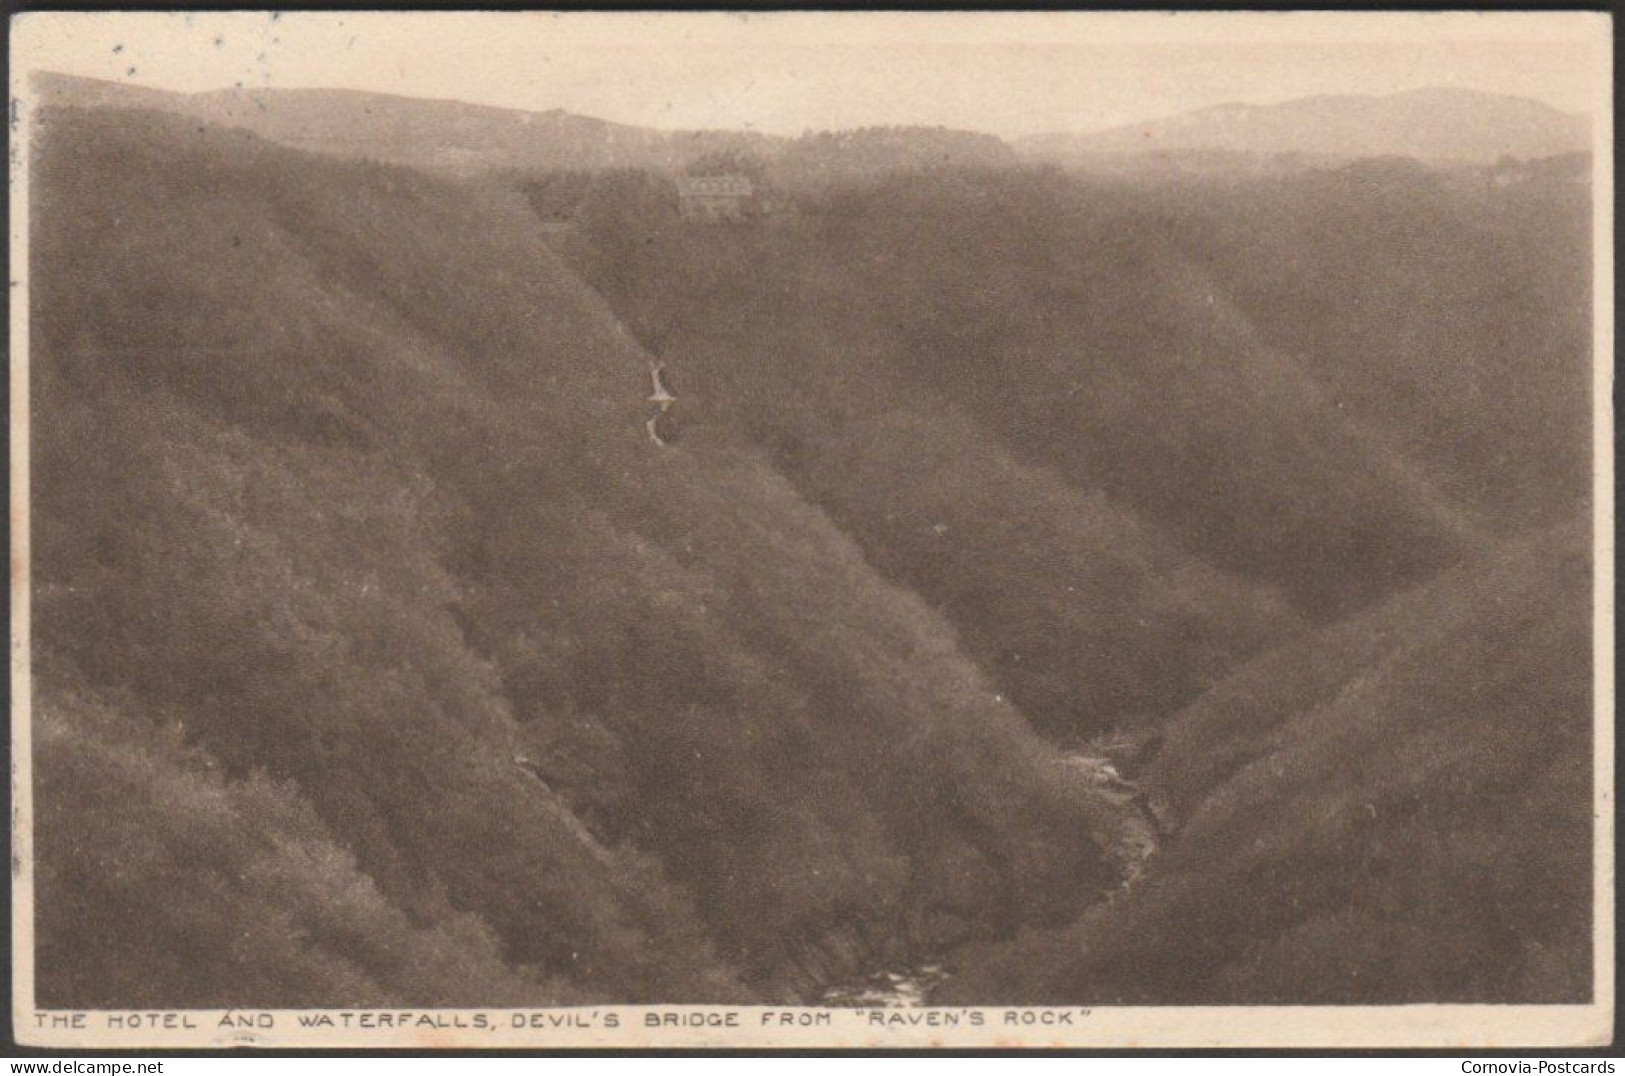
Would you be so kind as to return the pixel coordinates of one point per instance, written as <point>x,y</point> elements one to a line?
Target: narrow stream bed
<point>901,988</point>
<point>911,987</point>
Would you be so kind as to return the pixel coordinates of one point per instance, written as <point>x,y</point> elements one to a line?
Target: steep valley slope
<point>1128,437</point>
<point>1286,480</point>
<point>350,553</point>
<point>381,657</point>
<point>1397,809</point>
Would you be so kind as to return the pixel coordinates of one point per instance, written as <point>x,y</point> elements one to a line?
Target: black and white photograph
<point>811,530</point>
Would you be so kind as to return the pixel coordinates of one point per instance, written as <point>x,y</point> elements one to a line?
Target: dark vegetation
<point>345,486</point>
<point>1448,316</point>
<point>380,658</point>
<point>819,158</point>
<point>1397,809</point>
<point>1127,437</point>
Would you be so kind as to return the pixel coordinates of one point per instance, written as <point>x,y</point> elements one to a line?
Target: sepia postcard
<point>812,530</point>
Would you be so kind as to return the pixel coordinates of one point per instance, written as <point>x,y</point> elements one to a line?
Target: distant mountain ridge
<point>1439,124</point>
<point>458,137</point>
<point>437,135</point>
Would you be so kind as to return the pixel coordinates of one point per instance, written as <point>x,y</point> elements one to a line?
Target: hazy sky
<point>1009,74</point>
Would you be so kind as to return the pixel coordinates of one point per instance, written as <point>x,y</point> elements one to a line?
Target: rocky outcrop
<point>856,950</point>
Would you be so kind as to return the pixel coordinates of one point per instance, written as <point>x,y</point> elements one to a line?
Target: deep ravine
<point>910,986</point>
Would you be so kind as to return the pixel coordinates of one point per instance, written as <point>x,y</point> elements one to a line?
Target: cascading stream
<point>911,986</point>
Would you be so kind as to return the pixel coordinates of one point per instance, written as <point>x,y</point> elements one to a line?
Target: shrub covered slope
<point>380,657</point>
<point>1397,809</point>
<point>348,539</point>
